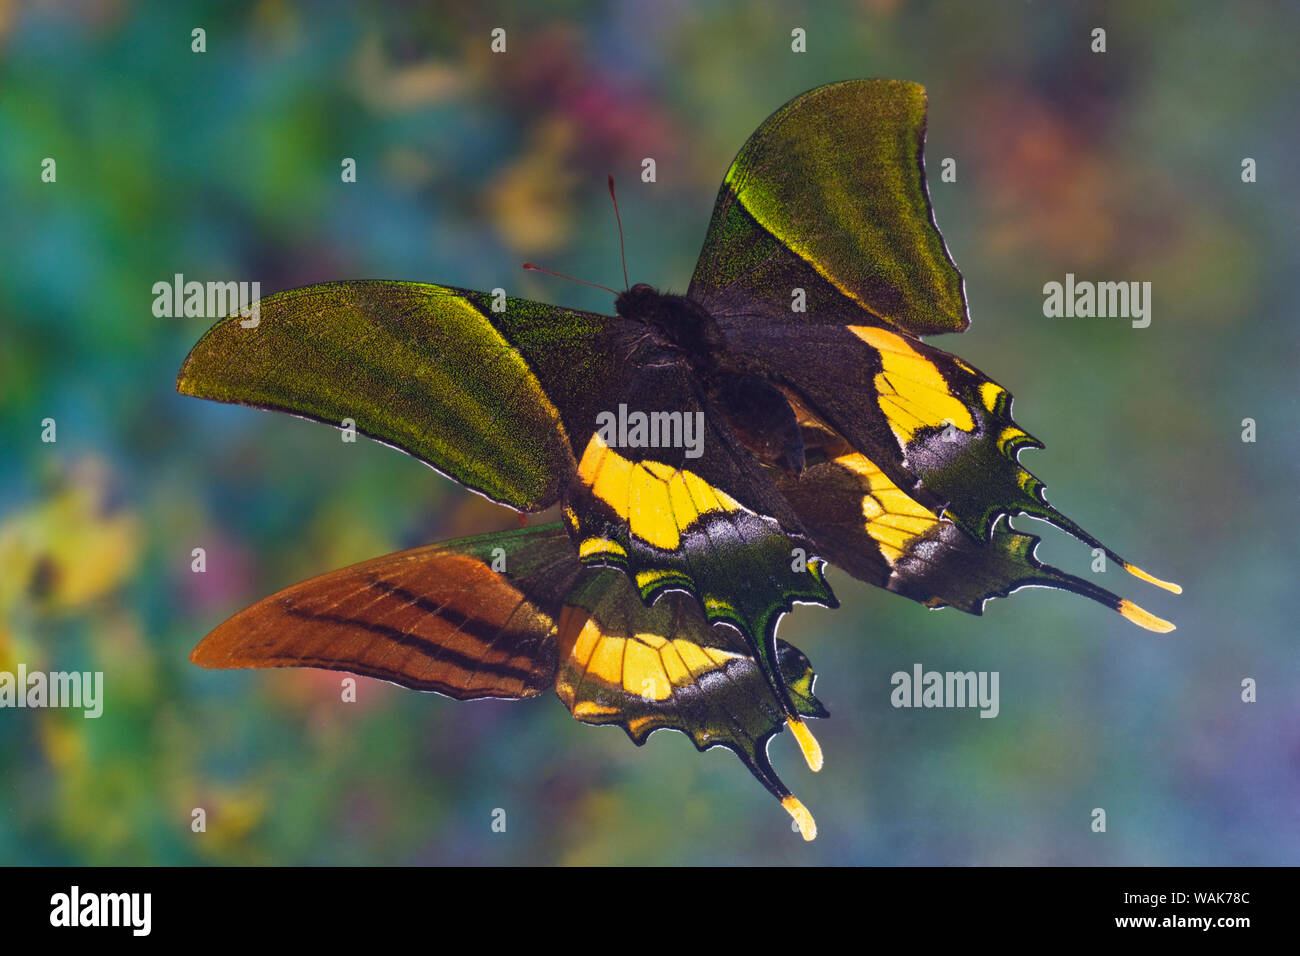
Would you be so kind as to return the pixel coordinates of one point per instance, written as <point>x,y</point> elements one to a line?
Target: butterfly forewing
<point>421,367</point>
<point>829,197</point>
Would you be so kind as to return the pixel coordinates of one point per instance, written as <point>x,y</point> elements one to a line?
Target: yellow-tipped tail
<point>1138,573</point>
<point>812,750</point>
<point>1144,618</point>
<point>807,825</point>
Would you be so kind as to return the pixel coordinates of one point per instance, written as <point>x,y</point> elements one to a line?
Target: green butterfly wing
<point>421,367</point>
<point>509,614</point>
<point>829,196</point>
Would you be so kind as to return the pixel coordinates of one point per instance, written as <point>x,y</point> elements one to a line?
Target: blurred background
<point>226,165</point>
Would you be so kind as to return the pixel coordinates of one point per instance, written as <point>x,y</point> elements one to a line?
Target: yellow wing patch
<point>644,665</point>
<point>1009,438</point>
<point>652,576</point>
<point>1144,618</point>
<point>1151,579</point>
<point>991,393</point>
<point>657,501</point>
<point>910,389</point>
<point>802,818</point>
<point>892,518</point>
<point>812,750</point>
<point>590,546</point>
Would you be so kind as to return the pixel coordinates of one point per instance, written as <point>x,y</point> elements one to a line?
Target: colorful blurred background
<point>226,165</point>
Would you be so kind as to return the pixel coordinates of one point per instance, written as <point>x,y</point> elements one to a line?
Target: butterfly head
<point>677,321</point>
<point>638,302</point>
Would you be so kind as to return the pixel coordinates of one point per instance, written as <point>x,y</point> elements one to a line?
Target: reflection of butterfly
<point>825,427</point>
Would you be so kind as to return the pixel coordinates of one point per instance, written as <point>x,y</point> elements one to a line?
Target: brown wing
<point>437,618</point>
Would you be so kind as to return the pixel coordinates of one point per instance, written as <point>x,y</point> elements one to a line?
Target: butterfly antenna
<point>619,219</point>
<point>560,275</point>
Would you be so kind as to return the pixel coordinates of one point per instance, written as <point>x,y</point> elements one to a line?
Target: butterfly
<point>713,450</point>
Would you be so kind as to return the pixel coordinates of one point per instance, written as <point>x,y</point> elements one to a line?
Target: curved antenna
<point>619,219</point>
<point>560,275</point>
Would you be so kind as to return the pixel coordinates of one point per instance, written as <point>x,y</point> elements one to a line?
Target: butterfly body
<point>674,322</point>
<point>753,407</point>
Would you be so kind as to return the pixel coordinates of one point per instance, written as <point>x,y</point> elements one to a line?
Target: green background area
<point>226,165</point>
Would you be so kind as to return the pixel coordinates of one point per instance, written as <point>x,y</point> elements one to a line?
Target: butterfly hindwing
<point>469,619</point>
<point>939,429</point>
<point>828,197</point>
<point>646,668</point>
<point>879,533</point>
<point>510,614</point>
